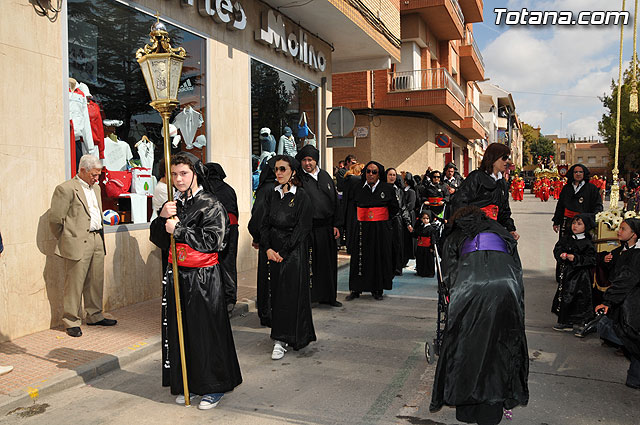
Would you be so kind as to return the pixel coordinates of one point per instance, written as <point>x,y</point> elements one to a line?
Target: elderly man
<point>75,219</point>
<point>326,221</point>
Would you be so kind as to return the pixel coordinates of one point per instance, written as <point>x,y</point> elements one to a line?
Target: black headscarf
<point>408,179</point>
<point>199,169</point>
<point>587,173</point>
<point>308,151</point>
<point>588,220</point>
<point>634,223</point>
<point>225,193</point>
<point>381,172</point>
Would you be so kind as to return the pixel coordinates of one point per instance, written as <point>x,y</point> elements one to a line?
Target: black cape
<point>371,265</point>
<point>573,299</point>
<point>207,332</point>
<point>484,357</point>
<point>481,190</point>
<point>285,228</point>
<point>324,249</point>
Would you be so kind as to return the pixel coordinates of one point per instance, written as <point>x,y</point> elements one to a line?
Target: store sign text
<point>274,34</point>
<point>222,12</point>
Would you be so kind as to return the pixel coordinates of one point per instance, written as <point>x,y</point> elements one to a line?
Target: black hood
<point>634,223</point>
<point>308,151</point>
<point>588,220</point>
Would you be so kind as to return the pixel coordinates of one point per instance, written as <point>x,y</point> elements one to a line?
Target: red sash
<point>491,211</point>
<point>233,219</point>
<point>569,213</point>
<point>424,241</point>
<point>373,214</point>
<point>435,201</point>
<point>189,257</point>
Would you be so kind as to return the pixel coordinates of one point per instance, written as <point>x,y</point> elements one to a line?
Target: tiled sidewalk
<point>40,357</point>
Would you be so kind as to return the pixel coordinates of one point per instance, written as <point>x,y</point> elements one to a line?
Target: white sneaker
<point>278,350</point>
<point>180,398</point>
<point>5,369</point>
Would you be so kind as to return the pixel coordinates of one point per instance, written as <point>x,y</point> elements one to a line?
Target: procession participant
<point>371,265</point>
<point>621,302</point>
<point>399,222</point>
<point>228,257</point>
<point>484,363</point>
<point>327,219</point>
<point>427,231</point>
<point>75,219</point>
<point>558,184</point>
<point>578,196</point>
<point>199,225</point>
<point>514,188</point>
<point>436,196</point>
<point>487,189</point>
<point>576,256</point>
<point>351,185</point>
<point>410,201</point>
<point>520,189</point>
<point>452,178</point>
<point>536,187</point>
<point>284,235</point>
<point>544,190</point>
<point>265,187</point>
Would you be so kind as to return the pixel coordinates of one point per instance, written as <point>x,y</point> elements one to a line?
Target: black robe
<point>371,265</point>
<point>285,228</point>
<point>399,223</point>
<point>324,250</point>
<point>481,190</point>
<point>623,300</point>
<point>587,200</point>
<point>351,185</point>
<point>484,357</point>
<point>572,301</point>
<point>203,226</point>
<point>425,265</point>
<point>263,302</point>
<point>436,190</point>
<point>409,243</point>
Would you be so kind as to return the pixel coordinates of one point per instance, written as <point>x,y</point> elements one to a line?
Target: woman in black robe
<point>410,202</point>
<point>484,362</point>
<point>399,222</point>
<point>200,225</point>
<point>265,187</point>
<point>437,195</point>
<point>487,189</point>
<point>284,236</point>
<point>374,203</point>
<point>351,183</point>
<point>576,256</point>
<point>427,232</point>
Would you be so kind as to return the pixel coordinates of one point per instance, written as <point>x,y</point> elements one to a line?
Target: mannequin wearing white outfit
<point>188,122</point>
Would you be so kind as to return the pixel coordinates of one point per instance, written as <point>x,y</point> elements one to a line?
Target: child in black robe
<point>427,233</point>
<point>576,256</point>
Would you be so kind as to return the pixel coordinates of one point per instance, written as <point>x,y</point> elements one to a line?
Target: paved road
<point>368,365</point>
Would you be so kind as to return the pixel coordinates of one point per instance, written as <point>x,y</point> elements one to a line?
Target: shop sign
<point>221,11</point>
<point>361,132</point>
<point>274,34</point>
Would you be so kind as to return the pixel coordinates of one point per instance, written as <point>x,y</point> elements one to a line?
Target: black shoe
<point>377,295</point>
<point>335,303</point>
<point>74,332</point>
<point>104,322</point>
<point>563,327</point>
<point>353,295</point>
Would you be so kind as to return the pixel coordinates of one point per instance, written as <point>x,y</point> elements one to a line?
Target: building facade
<point>595,155</point>
<point>249,66</point>
<point>404,107</point>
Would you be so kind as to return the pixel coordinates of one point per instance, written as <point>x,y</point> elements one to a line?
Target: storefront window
<point>113,120</point>
<point>283,115</point>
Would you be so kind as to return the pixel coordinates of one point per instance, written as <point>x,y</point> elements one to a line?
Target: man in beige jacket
<point>75,219</point>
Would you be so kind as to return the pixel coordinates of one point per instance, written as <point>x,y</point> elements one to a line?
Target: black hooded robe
<point>324,249</point>
<point>285,228</point>
<point>371,265</point>
<point>399,223</point>
<point>203,227</point>
<point>427,236</point>
<point>483,360</point>
<point>570,203</point>
<point>409,243</point>
<point>573,299</point>
<point>351,185</point>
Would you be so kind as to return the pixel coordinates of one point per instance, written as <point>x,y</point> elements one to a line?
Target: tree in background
<point>542,149</point>
<point>530,136</point>
<point>629,156</point>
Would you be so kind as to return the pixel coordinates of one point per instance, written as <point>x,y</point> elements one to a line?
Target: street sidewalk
<point>50,361</point>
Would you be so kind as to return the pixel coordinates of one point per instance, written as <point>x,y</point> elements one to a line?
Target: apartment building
<point>594,154</point>
<point>430,93</point>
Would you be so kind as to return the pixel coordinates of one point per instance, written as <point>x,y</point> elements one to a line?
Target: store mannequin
<point>95,119</point>
<point>287,145</point>
<point>188,121</point>
<point>79,114</point>
<point>267,141</point>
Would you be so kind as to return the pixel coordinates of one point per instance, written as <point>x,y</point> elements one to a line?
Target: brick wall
<point>352,89</point>
<point>387,11</point>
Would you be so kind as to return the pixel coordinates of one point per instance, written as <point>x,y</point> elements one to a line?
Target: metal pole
<point>174,256</point>
<point>615,190</point>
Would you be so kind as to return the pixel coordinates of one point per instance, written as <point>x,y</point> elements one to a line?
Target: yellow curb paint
<point>33,392</point>
<point>136,346</point>
<point>60,337</point>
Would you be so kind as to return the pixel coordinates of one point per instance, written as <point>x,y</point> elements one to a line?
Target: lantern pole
<point>615,189</point>
<point>161,67</point>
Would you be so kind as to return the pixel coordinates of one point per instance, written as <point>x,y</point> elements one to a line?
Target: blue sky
<point>569,67</point>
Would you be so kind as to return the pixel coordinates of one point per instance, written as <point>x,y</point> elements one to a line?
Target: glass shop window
<point>109,106</point>
<point>283,115</point>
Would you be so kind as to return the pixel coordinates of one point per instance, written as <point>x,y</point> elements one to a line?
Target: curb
<point>82,374</point>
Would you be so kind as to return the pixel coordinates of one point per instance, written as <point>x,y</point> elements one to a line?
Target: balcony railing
<point>458,9</point>
<point>469,40</point>
<point>425,79</point>
<point>472,111</point>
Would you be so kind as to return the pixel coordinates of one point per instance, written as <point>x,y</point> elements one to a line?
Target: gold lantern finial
<point>159,37</point>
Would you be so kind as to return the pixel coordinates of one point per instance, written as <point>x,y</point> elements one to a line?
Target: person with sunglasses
<point>436,196</point>
<point>487,189</point>
<point>578,196</point>
<point>375,203</point>
<point>284,236</point>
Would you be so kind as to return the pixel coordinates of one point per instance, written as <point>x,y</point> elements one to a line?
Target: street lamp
<point>161,67</point>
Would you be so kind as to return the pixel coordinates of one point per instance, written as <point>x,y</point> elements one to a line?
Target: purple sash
<point>484,242</point>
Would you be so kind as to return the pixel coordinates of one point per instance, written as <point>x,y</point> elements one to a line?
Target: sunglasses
<point>372,171</point>
<point>506,157</point>
<point>436,177</point>
<point>282,169</point>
